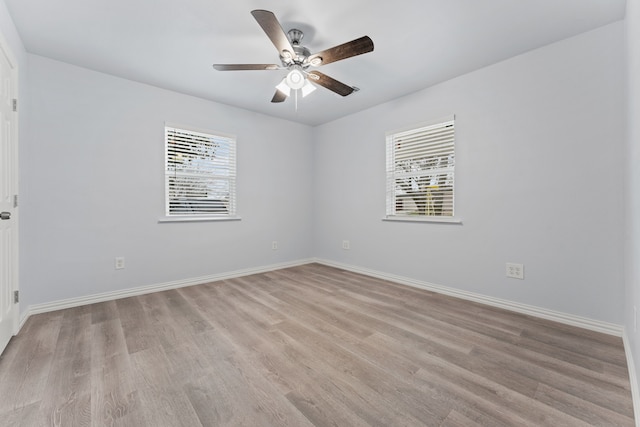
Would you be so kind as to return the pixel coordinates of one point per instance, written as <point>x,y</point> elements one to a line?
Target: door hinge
<point>16,297</point>
<point>15,104</point>
<point>15,200</point>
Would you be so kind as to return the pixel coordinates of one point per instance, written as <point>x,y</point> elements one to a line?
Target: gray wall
<point>92,187</point>
<point>632,219</point>
<point>539,181</point>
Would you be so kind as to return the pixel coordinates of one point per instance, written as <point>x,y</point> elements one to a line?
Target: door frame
<point>5,50</point>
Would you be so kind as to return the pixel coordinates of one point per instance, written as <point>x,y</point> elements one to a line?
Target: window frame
<point>229,166</point>
<point>391,188</point>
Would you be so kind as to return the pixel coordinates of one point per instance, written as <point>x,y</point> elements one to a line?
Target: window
<point>420,172</point>
<point>200,174</point>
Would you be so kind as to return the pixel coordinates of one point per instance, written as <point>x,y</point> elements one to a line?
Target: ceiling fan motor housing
<point>300,53</point>
<point>295,36</point>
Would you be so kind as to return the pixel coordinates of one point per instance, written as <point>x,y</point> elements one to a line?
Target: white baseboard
<point>633,379</point>
<point>141,290</point>
<point>568,319</point>
<point>582,322</point>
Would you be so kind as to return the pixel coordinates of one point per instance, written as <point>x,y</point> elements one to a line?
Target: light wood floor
<point>308,346</point>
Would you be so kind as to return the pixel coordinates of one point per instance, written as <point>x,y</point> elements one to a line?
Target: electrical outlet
<point>515,271</point>
<point>119,263</point>
<point>345,245</point>
<point>274,245</point>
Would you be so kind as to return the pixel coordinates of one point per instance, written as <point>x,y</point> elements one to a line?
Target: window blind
<point>420,171</point>
<point>200,173</point>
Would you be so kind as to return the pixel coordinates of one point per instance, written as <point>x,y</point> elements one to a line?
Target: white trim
<point>197,218</point>
<point>418,218</point>
<point>7,52</point>
<point>23,319</point>
<point>633,379</point>
<point>200,130</point>
<point>567,319</point>
<point>420,125</point>
<point>141,290</point>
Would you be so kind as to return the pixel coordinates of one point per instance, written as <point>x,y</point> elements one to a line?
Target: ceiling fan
<point>297,59</point>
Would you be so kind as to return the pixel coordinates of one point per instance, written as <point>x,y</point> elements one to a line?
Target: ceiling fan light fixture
<point>283,87</point>
<point>295,79</point>
<point>307,88</point>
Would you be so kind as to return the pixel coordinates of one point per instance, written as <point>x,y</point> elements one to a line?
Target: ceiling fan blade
<point>269,23</point>
<point>278,97</point>
<point>330,83</point>
<point>347,50</point>
<point>241,67</point>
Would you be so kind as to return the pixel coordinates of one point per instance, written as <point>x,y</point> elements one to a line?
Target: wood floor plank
<point>446,376</point>
<point>26,416</point>
<point>70,373</point>
<point>441,308</point>
<point>322,411</point>
<point>246,332</point>
<point>580,408</point>
<point>308,346</point>
<point>598,392</point>
<point>395,399</point>
<point>521,354</point>
<point>114,398</point>
<point>323,396</point>
<point>158,317</point>
<point>103,311</point>
<point>107,340</point>
<point>456,419</point>
<point>376,355</point>
<point>182,312</point>
<point>444,349</point>
<point>494,399</point>
<point>29,356</point>
<point>161,402</point>
<point>280,368</point>
<point>138,333</point>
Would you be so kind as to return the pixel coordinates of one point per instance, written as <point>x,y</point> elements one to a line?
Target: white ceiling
<point>418,43</point>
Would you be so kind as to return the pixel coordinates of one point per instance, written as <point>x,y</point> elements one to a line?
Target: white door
<point>8,198</point>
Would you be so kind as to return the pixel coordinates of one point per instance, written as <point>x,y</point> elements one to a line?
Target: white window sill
<point>445,220</point>
<point>198,218</point>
